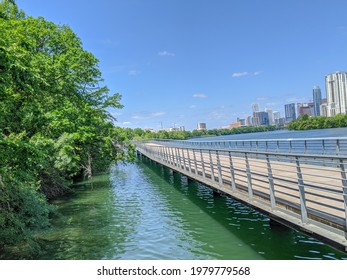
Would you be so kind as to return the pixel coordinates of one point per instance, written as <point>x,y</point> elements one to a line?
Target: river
<point>144,211</point>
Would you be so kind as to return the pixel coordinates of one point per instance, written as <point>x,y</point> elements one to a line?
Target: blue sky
<point>180,62</point>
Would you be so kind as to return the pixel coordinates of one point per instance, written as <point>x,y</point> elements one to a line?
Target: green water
<point>144,211</point>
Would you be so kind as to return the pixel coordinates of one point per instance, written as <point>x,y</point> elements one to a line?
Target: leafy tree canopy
<point>54,119</point>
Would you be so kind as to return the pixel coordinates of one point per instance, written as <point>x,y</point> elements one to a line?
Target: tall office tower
<point>277,115</point>
<point>271,116</point>
<point>290,112</point>
<point>249,120</point>
<point>324,108</point>
<point>262,118</point>
<point>336,89</point>
<point>255,107</point>
<point>317,100</point>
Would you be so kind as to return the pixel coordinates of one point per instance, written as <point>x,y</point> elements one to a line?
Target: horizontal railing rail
<point>293,179</point>
<point>330,145</point>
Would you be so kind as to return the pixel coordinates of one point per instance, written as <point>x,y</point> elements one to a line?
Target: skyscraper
<point>271,116</point>
<point>255,107</point>
<point>336,89</point>
<point>290,112</point>
<point>255,118</point>
<point>317,100</point>
<point>262,117</point>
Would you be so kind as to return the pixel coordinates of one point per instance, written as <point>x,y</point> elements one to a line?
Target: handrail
<point>328,145</point>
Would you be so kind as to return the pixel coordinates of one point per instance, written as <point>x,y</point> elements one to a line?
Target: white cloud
<point>262,98</point>
<point>133,73</point>
<point>192,106</point>
<point>296,99</point>
<point>166,53</point>
<point>242,74</point>
<point>272,104</point>
<point>200,95</point>
<point>148,116</point>
<point>126,123</point>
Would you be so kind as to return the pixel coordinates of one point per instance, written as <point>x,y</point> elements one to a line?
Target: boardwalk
<point>304,188</point>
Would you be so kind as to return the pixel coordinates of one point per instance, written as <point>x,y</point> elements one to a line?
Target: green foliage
<point>183,135</point>
<point>54,119</point>
<point>306,122</point>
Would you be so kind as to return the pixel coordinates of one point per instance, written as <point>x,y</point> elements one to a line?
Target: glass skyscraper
<point>290,112</point>
<point>317,100</point>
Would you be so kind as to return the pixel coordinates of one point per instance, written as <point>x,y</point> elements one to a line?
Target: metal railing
<point>304,178</point>
<point>324,146</point>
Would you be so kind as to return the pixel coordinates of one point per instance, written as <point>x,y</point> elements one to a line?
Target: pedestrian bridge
<point>297,182</point>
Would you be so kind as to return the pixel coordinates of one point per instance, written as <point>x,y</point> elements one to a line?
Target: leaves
<point>54,123</point>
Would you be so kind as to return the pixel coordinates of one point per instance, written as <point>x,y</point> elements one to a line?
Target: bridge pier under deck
<point>301,191</point>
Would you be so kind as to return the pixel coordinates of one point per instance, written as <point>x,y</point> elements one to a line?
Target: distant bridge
<point>301,183</point>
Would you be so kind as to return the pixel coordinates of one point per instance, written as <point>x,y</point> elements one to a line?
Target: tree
<point>54,119</point>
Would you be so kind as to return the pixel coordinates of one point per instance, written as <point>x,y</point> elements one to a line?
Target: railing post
<point>202,165</point>
<point>184,159</point>
<point>195,163</point>
<point>175,157</point>
<point>168,155</point>
<point>167,150</point>
<point>232,173</point>
<point>249,177</point>
<point>344,192</point>
<point>189,163</point>
<point>305,145</point>
<point>172,156</point>
<point>211,166</point>
<point>337,146</point>
<point>162,155</point>
<point>301,192</point>
<point>271,183</point>
<point>220,179</point>
<point>178,158</point>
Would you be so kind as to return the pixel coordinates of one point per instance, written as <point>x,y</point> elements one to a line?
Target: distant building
<point>202,126</point>
<point>242,121</point>
<point>255,119</point>
<point>181,128</point>
<point>336,88</point>
<point>280,121</point>
<point>324,108</point>
<point>271,116</point>
<point>305,109</point>
<point>255,107</point>
<point>290,114</point>
<point>234,125</point>
<point>249,120</point>
<point>277,115</point>
<point>317,100</point>
<point>262,118</point>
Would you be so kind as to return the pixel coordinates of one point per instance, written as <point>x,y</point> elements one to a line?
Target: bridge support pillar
<point>216,193</point>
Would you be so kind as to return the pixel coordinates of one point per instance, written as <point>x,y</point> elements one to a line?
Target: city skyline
<point>180,63</point>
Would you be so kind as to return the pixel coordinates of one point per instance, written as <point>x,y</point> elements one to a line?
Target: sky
<point>182,62</point>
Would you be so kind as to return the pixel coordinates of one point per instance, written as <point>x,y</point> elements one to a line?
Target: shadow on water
<point>255,230</point>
